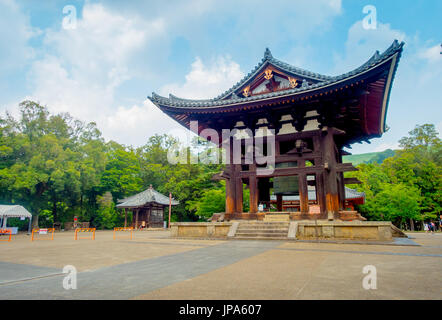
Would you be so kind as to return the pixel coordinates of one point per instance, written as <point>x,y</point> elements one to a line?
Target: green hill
<point>370,157</point>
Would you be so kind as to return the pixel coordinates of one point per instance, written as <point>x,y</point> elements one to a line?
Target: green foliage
<point>407,185</point>
<point>109,217</point>
<point>212,201</point>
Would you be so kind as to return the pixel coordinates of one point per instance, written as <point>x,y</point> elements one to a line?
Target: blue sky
<point>120,51</point>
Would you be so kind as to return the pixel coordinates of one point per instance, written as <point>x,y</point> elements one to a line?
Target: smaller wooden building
<point>147,208</point>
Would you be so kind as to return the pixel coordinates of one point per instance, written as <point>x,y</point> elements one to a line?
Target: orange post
<point>170,208</point>
<point>84,230</point>
<point>6,231</point>
<point>130,229</point>
<point>43,231</point>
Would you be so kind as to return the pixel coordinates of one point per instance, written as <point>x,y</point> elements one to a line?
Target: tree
<point>45,164</point>
<point>121,174</point>
<point>413,174</point>
<point>213,201</point>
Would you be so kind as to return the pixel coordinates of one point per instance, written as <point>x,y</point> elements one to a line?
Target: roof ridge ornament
<point>304,83</point>
<point>268,74</point>
<point>377,54</point>
<point>268,54</point>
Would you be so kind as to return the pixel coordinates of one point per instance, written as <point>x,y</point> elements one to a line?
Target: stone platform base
<point>293,230</point>
<point>200,229</point>
<point>352,230</point>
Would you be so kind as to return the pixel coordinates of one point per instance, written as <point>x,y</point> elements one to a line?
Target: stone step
<point>262,231</point>
<point>282,228</point>
<point>259,238</point>
<point>262,234</point>
<point>276,219</point>
<point>256,230</point>
<point>262,228</point>
<point>265,223</point>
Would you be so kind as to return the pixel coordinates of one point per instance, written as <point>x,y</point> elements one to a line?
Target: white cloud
<point>432,54</point>
<point>15,32</point>
<point>100,47</point>
<point>135,124</point>
<point>206,80</point>
<point>83,67</point>
<point>81,71</point>
<point>362,43</point>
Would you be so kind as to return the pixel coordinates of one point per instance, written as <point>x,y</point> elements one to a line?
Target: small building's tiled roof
<point>349,195</point>
<point>317,81</point>
<point>13,211</point>
<point>145,197</point>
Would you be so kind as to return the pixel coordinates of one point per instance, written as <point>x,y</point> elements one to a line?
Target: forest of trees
<point>405,188</point>
<point>58,167</point>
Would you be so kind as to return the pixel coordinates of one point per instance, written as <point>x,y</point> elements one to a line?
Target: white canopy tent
<point>14,211</point>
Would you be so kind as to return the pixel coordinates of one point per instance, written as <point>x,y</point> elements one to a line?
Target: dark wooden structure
<point>313,116</point>
<point>147,208</point>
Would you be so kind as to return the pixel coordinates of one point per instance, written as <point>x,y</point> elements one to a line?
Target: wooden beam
<point>293,157</point>
<point>344,167</point>
<point>282,172</point>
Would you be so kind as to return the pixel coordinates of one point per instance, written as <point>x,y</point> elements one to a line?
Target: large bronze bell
<point>286,185</point>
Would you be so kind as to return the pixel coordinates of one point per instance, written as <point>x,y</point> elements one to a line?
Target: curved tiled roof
<point>321,81</point>
<point>147,196</point>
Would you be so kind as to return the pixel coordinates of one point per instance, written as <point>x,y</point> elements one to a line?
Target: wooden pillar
<point>341,185</point>
<point>230,191</point>
<point>303,193</point>
<point>320,193</point>
<point>125,217</point>
<point>136,218</point>
<point>231,183</point>
<point>279,202</point>
<point>341,191</point>
<point>330,174</point>
<point>253,187</point>
<point>238,190</point>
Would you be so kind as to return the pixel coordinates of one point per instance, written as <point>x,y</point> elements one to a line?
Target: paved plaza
<point>154,266</point>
